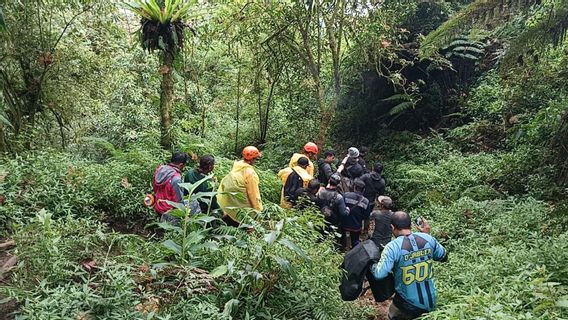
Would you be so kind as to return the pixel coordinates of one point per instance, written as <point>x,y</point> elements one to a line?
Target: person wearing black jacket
<point>374,184</point>
<point>332,204</point>
<point>352,224</point>
<point>308,195</point>
<point>325,169</point>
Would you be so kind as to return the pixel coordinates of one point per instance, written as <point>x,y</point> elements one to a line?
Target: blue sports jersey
<point>410,259</point>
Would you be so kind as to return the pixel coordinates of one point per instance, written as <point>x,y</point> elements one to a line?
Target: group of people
<point>351,199</point>
<point>346,196</point>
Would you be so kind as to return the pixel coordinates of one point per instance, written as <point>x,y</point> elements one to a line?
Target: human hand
<point>424,227</point>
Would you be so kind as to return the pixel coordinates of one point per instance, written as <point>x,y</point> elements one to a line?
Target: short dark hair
<point>363,149</point>
<point>378,168</point>
<point>303,162</point>
<point>358,185</point>
<point>180,158</point>
<point>206,161</point>
<point>401,220</point>
<point>334,180</point>
<point>313,184</point>
<point>329,153</point>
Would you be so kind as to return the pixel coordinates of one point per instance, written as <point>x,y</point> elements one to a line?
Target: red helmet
<point>251,152</point>
<point>311,147</point>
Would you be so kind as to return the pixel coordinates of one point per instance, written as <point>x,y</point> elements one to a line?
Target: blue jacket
<point>410,259</point>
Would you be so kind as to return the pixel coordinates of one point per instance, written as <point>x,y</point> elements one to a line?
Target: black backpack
<point>327,207</point>
<point>357,265</point>
<point>293,183</point>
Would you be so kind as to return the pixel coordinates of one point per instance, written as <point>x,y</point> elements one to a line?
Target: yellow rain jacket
<point>283,175</point>
<point>242,179</point>
<point>294,163</point>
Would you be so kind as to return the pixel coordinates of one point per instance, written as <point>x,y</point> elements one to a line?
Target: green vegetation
<point>464,102</point>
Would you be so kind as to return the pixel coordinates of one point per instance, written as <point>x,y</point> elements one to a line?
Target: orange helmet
<point>149,200</point>
<point>251,152</point>
<point>311,147</point>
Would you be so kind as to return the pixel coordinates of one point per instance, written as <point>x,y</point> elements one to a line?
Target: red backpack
<point>164,191</point>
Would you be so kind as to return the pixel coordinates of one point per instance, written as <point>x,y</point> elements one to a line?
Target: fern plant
<point>404,102</point>
<point>482,13</point>
<point>546,22</point>
<point>464,48</point>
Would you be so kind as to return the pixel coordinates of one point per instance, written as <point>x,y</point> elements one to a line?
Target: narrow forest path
<point>381,308</point>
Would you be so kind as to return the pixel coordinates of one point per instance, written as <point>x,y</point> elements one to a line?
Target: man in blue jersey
<point>409,257</point>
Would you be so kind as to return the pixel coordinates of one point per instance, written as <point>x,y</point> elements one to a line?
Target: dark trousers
<point>230,222</point>
<point>166,217</point>
<point>349,239</point>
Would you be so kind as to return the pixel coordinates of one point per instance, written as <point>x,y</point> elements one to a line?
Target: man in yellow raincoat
<point>285,174</point>
<point>243,180</point>
<point>311,152</point>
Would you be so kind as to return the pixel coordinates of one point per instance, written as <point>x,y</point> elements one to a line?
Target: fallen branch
<point>7,244</point>
<point>8,266</point>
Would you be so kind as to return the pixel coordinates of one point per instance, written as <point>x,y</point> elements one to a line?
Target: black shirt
<point>383,232</point>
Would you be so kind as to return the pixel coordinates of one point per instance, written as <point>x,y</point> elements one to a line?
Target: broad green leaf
<point>292,246</point>
<point>176,205</point>
<point>271,237</point>
<point>190,187</point>
<point>211,245</point>
<point>204,218</point>
<point>219,271</point>
<point>170,244</point>
<point>280,225</point>
<point>562,302</point>
<point>177,213</point>
<point>3,119</point>
<point>284,264</point>
<point>229,307</point>
<point>166,226</point>
<point>194,237</point>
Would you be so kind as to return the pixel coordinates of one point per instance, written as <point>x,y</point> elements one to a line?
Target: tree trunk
<point>166,97</point>
<point>238,109</point>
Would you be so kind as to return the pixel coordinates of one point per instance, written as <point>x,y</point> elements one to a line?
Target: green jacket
<point>192,176</point>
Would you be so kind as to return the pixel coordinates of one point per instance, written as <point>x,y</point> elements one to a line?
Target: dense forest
<point>464,102</point>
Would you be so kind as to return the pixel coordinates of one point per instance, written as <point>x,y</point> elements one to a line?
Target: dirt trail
<point>381,308</point>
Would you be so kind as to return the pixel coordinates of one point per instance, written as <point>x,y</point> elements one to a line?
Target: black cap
<point>401,220</point>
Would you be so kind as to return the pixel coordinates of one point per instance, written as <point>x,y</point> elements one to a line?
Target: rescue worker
<point>409,257</point>
<point>353,169</point>
<point>206,166</point>
<point>166,187</point>
<point>243,180</point>
<point>311,152</point>
<point>350,169</point>
<point>325,169</point>
<point>352,224</point>
<point>380,222</point>
<point>309,193</point>
<point>292,180</point>
<point>374,184</point>
<point>332,204</point>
